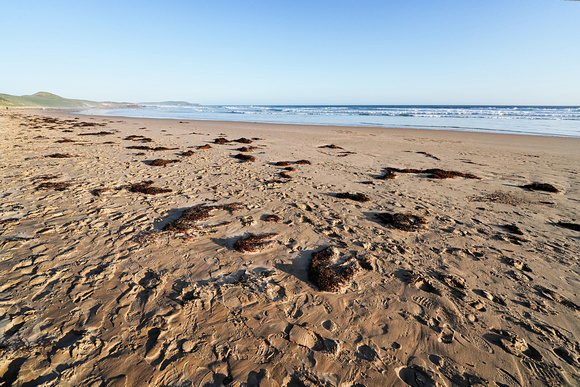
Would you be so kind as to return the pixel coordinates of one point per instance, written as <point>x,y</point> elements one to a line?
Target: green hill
<point>44,99</point>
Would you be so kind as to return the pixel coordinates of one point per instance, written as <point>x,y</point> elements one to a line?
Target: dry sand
<point>102,285</point>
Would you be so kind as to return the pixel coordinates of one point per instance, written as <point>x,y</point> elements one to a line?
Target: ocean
<point>562,121</point>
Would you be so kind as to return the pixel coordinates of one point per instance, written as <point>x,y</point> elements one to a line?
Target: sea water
<point>561,121</point>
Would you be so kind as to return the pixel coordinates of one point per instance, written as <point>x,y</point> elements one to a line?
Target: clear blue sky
<point>295,52</point>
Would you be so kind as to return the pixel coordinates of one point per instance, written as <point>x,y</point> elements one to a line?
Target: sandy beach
<point>145,252</point>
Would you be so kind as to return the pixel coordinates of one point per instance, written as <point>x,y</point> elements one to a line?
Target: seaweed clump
<point>255,243</point>
<point>221,141</point>
<point>145,147</point>
<point>190,217</point>
<point>357,197</point>
<point>138,138</point>
<point>404,222</point>
<point>101,133</point>
<point>45,177</point>
<point>331,146</point>
<point>272,218</point>
<point>303,162</point>
<point>55,186</point>
<point>59,156</point>
<point>541,187</point>
<point>245,158</point>
<point>246,149</point>
<point>162,163</point>
<point>244,140</point>
<point>145,187</point>
<point>282,163</point>
<point>328,276</point>
<point>433,173</point>
<point>206,146</point>
<point>187,153</point>
<point>429,155</point>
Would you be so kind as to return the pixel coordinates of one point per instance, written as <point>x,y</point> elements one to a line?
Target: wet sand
<point>176,253</point>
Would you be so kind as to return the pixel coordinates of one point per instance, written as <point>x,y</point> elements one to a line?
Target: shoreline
<point>445,132</point>
<point>109,279</point>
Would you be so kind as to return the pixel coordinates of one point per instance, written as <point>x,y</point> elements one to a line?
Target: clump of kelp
<point>327,274</point>
<point>189,219</point>
<point>155,149</point>
<point>60,186</point>
<point>101,133</point>
<point>272,218</point>
<point>541,187</point>
<point>245,158</point>
<point>145,187</point>
<point>357,197</point>
<point>255,243</point>
<point>432,173</point>
<point>404,222</point>
<point>161,162</point>
<point>59,156</point>
<point>138,138</point>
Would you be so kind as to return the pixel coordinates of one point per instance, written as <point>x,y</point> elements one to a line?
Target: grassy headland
<point>44,99</point>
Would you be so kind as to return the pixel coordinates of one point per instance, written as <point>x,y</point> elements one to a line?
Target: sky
<point>383,52</point>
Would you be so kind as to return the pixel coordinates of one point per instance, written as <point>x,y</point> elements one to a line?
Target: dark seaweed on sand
<point>433,173</point>
<point>285,175</point>
<point>145,147</point>
<point>45,177</point>
<point>59,156</point>
<point>162,163</point>
<point>246,149</point>
<point>64,140</point>
<point>429,155</point>
<point>101,133</point>
<point>358,197</point>
<point>331,146</point>
<point>405,222</point>
<point>191,216</point>
<point>303,162</point>
<point>254,243</point>
<point>145,188</point>
<point>134,137</point>
<point>541,187</point>
<point>140,147</point>
<point>187,153</point>
<point>55,186</point>
<point>245,158</point>
<point>221,141</point>
<point>281,163</point>
<point>272,218</point>
<point>326,275</point>
<point>206,146</point>
<point>244,140</point>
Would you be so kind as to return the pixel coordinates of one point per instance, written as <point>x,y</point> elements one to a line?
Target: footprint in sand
<point>305,337</point>
<point>416,376</point>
